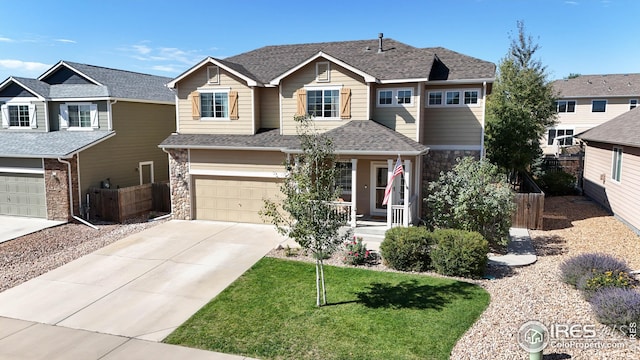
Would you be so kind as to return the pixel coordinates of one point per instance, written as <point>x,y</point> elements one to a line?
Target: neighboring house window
<point>553,133</point>
<point>18,115</point>
<point>633,103</point>
<point>323,73</point>
<point>599,106</point>
<point>395,97</point>
<point>457,97</point>
<point>435,98</point>
<point>213,75</point>
<point>214,105</point>
<point>344,177</point>
<point>616,166</point>
<point>565,106</point>
<point>323,103</point>
<point>79,116</point>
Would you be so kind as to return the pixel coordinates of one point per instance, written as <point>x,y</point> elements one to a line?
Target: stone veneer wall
<point>180,180</point>
<point>57,188</point>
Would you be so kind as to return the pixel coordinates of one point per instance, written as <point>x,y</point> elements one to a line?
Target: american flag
<point>397,170</point>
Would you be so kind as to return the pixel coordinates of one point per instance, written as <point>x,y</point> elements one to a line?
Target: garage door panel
<point>22,195</point>
<point>233,198</point>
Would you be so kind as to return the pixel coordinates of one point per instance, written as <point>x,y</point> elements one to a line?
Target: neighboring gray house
<point>612,166</point>
<point>378,99</point>
<point>85,122</point>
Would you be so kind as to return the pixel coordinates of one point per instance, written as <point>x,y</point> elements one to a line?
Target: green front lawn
<point>270,313</point>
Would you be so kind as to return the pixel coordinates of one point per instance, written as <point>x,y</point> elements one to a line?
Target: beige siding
<point>583,119</point>
<point>139,129</point>
<point>452,125</point>
<point>269,108</point>
<point>54,114</point>
<point>244,124</point>
<point>621,197</point>
<point>267,162</point>
<point>399,118</point>
<point>307,76</point>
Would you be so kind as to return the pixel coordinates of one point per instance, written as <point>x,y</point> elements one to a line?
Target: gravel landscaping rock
<point>32,255</point>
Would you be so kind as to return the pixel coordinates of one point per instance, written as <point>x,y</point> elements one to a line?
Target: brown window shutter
<point>302,102</point>
<point>233,105</point>
<point>195,105</point>
<point>345,103</point>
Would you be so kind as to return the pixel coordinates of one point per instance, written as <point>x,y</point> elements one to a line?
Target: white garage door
<point>233,198</point>
<point>22,195</point>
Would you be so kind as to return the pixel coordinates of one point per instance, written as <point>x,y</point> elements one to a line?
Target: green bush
<point>407,248</point>
<point>558,183</point>
<point>459,253</point>
<point>474,196</point>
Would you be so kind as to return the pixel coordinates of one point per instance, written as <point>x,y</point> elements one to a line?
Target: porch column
<point>407,192</point>
<point>390,202</point>
<point>354,190</point>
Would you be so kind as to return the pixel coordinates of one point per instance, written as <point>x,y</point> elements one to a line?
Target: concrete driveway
<point>12,227</point>
<point>143,286</point>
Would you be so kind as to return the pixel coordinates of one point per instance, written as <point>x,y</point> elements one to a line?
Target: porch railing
<point>343,210</point>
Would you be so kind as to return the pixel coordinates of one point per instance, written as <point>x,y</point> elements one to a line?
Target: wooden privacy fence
<point>119,205</point>
<point>529,205</point>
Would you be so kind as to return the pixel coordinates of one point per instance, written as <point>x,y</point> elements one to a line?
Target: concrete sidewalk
<point>520,250</point>
<point>142,287</point>
<point>15,226</point>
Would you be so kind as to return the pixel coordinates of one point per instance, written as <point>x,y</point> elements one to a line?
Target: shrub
<point>574,269</point>
<point>459,253</point>
<point>407,248</point>
<point>558,183</point>
<point>619,307</point>
<point>356,252</point>
<point>593,282</point>
<point>474,196</point>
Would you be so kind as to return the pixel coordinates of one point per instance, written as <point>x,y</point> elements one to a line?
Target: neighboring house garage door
<point>233,198</point>
<point>22,195</point>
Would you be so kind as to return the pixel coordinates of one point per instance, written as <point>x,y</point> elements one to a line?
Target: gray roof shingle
<point>397,61</point>
<point>48,144</point>
<point>356,136</point>
<point>599,86</point>
<point>621,130</point>
<point>39,87</point>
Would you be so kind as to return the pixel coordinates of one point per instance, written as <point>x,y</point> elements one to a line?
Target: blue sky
<point>167,37</point>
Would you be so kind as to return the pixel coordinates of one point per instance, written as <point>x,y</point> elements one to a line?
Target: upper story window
<point>565,106</point>
<point>395,97</point>
<point>323,103</point>
<point>323,73</point>
<point>214,105</point>
<point>462,97</point>
<point>633,103</point>
<point>564,141</point>
<point>76,116</point>
<point>599,106</point>
<point>213,75</point>
<point>18,115</point>
<point>616,165</point>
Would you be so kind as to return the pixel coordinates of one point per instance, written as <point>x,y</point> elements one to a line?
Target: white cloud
<point>571,2</point>
<point>141,49</point>
<point>166,68</point>
<point>67,41</point>
<point>23,65</point>
<point>143,52</point>
<point>6,39</point>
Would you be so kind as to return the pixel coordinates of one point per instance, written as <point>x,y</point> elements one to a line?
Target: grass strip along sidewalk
<point>270,313</point>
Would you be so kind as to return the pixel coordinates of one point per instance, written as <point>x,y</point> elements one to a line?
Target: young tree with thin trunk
<point>520,108</point>
<point>306,213</point>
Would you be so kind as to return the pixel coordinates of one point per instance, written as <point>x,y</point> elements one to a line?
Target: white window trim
<point>435,92</point>
<point>613,163</point>
<point>605,105</point>
<point>322,88</point>
<point>209,75</point>
<point>636,105</point>
<point>394,97</point>
<point>63,116</point>
<point>461,91</point>
<point>560,127</point>
<point>6,122</point>
<point>214,90</point>
<point>146,163</point>
<point>321,80</point>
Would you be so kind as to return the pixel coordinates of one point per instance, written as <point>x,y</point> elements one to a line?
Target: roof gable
<point>232,68</point>
<point>24,87</point>
<point>65,75</point>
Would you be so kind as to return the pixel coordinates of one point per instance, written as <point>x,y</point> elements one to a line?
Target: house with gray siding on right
<point>612,166</point>
<point>587,101</point>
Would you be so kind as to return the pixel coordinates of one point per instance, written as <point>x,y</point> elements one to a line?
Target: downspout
<point>484,110</point>
<point>71,195</point>
<point>110,112</point>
